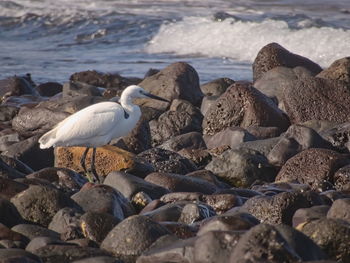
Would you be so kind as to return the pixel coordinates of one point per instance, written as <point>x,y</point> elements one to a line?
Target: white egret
<point>98,124</point>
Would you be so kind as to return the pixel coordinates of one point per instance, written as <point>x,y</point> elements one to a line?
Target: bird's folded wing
<point>91,122</point>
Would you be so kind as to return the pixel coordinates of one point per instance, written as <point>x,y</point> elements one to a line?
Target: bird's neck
<point>128,105</point>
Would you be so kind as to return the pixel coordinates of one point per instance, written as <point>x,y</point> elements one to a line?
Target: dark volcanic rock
<point>273,55</point>
<point>207,102</point>
<point>132,236</point>
<point>167,161</point>
<point>315,167</point>
<point>296,139</point>
<point>332,235</point>
<point>36,120</point>
<point>32,231</point>
<point>182,117</point>
<point>242,167</point>
<point>340,209</point>
<point>195,212</point>
<point>177,81</point>
<point>165,213</point>
<point>9,214</point>
<point>263,242</point>
<point>342,179</point>
<point>103,199</point>
<point>16,86</point>
<point>49,89</point>
<point>72,88</point>
<point>15,255</point>
<point>7,113</point>
<point>303,215</point>
<point>264,132</point>
<point>280,208</point>
<point>11,239</point>
<point>339,70</point>
<point>100,79</point>
<point>26,149</point>
<point>215,246</point>
<point>312,98</point>
<point>231,136</point>
<point>338,135</point>
<point>129,185</point>
<point>39,204</point>
<point>243,105</point>
<point>181,183</point>
<point>216,87</point>
<point>191,140</point>
<point>96,226</point>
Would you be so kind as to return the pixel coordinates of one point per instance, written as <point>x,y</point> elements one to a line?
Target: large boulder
<point>242,105</point>
<point>273,55</point>
<point>338,70</point>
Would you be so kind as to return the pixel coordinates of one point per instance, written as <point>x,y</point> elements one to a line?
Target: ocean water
<point>52,39</point>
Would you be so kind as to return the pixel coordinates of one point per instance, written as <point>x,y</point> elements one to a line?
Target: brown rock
<point>340,209</point>
<point>49,89</point>
<point>273,55</point>
<point>177,81</point>
<point>338,70</point>
<point>314,167</point>
<point>108,158</point>
<point>242,105</point>
<point>16,86</point>
<point>312,98</point>
<point>216,87</point>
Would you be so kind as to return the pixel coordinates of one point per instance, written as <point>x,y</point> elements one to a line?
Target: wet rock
<point>271,82</point>
<point>129,185</point>
<point>96,226</point>
<point>167,161</point>
<point>16,86</point>
<point>263,242</point>
<point>99,79</point>
<point>26,149</point>
<point>241,168</point>
<point>8,171</point>
<point>301,244</point>
<point>32,231</point>
<point>49,89</point>
<point>38,204</point>
<point>177,81</point>
<point>57,253</point>
<point>330,196</point>
<point>315,167</point>
<point>304,215</point>
<point>9,214</point>
<point>280,208</point>
<point>242,105</point>
<point>296,139</point>
<point>181,183</point>
<point>338,70</point>
<point>340,209</point>
<point>108,158</point>
<point>182,117</point>
<point>103,199</point>
<point>132,236</point>
<point>195,212</point>
<point>231,136</point>
<point>7,113</point>
<point>191,140</point>
<point>228,222</point>
<point>169,250</point>
<point>11,239</point>
<point>312,98</point>
<point>215,246</point>
<point>342,179</point>
<point>273,55</point>
<point>30,121</point>
<point>261,133</point>
<point>66,222</point>
<point>17,164</point>
<point>11,255</point>
<point>331,235</point>
<point>216,87</point>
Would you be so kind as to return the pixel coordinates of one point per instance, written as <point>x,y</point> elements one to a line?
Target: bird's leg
<point>83,158</point>
<point>93,168</point>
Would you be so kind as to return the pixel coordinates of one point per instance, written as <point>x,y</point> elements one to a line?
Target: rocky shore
<point>227,172</point>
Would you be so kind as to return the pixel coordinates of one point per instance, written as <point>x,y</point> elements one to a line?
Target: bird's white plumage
<point>97,124</point>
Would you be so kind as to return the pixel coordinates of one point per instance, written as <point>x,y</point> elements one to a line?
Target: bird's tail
<point>48,139</point>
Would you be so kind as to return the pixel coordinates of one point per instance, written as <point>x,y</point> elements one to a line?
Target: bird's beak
<point>155,97</point>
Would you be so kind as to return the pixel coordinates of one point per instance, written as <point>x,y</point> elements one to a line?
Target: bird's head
<point>135,91</point>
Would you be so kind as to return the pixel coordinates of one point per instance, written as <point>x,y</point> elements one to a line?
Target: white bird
<point>98,124</point>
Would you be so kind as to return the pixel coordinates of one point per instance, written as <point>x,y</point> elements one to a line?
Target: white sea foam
<point>242,40</point>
